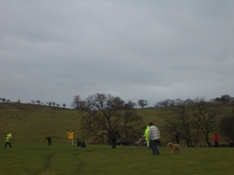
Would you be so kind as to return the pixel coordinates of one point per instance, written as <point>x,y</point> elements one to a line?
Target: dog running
<point>175,147</point>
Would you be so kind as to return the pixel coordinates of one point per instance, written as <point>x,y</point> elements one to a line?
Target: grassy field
<point>60,159</point>
<point>30,154</point>
<point>31,123</point>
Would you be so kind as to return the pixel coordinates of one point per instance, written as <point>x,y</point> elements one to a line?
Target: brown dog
<point>175,147</point>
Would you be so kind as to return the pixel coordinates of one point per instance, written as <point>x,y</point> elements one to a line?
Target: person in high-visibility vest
<point>70,135</point>
<point>8,140</point>
<point>146,135</point>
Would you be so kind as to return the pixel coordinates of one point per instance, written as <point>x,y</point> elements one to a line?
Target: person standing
<point>154,136</point>
<point>216,140</point>
<point>8,140</point>
<point>177,137</point>
<point>146,135</point>
<point>70,135</point>
<point>49,139</point>
<point>231,144</point>
<point>113,135</point>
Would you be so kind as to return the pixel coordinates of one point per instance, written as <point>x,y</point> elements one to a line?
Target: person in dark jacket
<point>81,143</point>
<point>113,136</point>
<point>49,139</point>
<point>177,137</point>
<point>231,144</point>
<point>78,143</point>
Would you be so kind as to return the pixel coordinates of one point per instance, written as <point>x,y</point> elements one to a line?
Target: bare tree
<point>130,104</point>
<point>178,119</point>
<point>4,100</point>
<point>206,117</point>
<point>38,102</point>
<point>226,125</point>
<point>142,103</point>
<point>224,99</point>
<point>131,121</point>
<point>100,113</point>
<point>77,102</point>
<point>64,105</point>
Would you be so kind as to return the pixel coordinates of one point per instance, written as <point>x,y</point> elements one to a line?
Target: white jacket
<point>154,133</point>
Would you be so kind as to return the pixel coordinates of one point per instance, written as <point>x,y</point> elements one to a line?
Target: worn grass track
<point>98,160</point>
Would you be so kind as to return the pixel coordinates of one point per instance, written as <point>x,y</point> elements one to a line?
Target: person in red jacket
<point>216,140</point>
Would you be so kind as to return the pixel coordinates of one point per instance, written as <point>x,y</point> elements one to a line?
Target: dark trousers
<point>216,144</point>
<point>153,144</point>
<point>113,143</point>
<point>8,143</point>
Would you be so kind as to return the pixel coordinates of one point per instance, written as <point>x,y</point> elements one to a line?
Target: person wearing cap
<point>154,136</point>
<point>8,140</point>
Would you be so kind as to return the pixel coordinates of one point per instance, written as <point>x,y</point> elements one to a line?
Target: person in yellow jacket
<point>8,140</point>
<point>146,135</point>
<point>70,135</point>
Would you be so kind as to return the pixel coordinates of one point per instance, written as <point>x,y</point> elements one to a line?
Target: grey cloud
<point>155,50</point>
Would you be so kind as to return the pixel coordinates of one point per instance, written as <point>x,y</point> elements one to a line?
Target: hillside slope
<point>31,123</point>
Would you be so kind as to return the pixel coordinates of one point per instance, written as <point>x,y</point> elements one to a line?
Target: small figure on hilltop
<point>216,140</point>
<point>70,135</point>
<point>8,140</point>
<point>49,139</point>
<point>113,135</point>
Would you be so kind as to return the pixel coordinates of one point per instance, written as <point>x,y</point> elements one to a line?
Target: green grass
<point>60,159</point>
<point>30,154</point>
<point>31,123</point>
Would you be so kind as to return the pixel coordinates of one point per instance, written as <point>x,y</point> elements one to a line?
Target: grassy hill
<point>31,123</point>
<point>31,155</point>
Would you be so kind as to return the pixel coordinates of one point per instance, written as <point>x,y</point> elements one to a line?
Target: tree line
<point>38,102</point>
<point>194,119</point>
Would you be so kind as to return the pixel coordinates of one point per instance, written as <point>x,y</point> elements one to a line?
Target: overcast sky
<point>53,50</point>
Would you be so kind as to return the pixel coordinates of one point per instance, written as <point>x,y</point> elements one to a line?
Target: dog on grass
<point>175,147</point>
